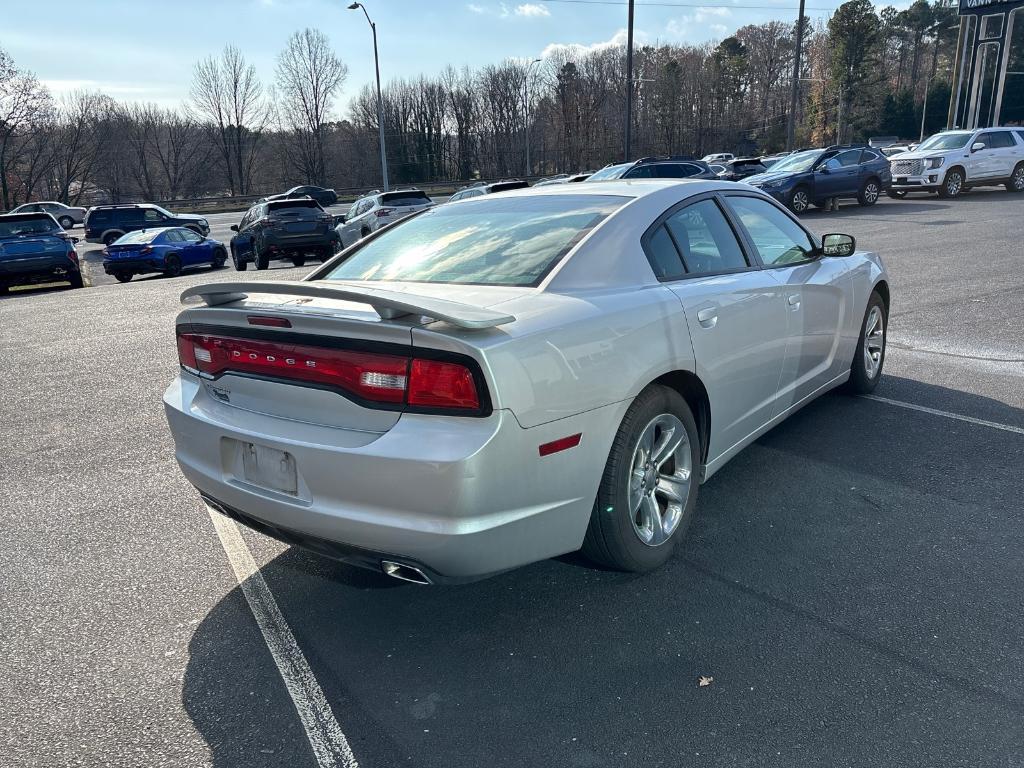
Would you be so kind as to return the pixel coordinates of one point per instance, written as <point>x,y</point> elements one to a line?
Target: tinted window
<point>153,216</point>
<point>642,172</point>
<point>38,224</point>
<point>280,205</point>
<point>778,239</point>
<point>130,216</point>
<point>663,256</point>
<point>495,240</point>
<point>404,198</point>
<point>99,217</point>
<point>848,158</point>
<point>677,170</point>
<point>188,236</point>
<point>705,239</point>
<point>997,139</point>
<point>173,236</point>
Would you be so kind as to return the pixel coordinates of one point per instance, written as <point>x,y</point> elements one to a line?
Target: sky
<point>144,50</point>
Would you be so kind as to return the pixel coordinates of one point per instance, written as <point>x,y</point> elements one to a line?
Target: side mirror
<point>339,219</point>
<point>74,240</point>
<point>824,169</point>
<point>977,146</point>
<point>234,227</point>
<point>838,245</point>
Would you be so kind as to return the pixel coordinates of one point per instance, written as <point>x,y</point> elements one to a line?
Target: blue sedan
<point>168,250</point>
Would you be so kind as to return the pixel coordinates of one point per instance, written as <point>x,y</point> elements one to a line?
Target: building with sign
<point>988,74</point>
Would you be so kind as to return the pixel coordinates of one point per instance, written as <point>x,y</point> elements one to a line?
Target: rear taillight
<point>384,212</point>
<point>376,378</point>
<point>435,384</point>
<point>147,250</point>
<point>72,253</point>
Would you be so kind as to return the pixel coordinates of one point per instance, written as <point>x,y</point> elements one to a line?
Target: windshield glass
<point>489,241</point>
<point>801,161</point>
<point>944,141</point>
<point>40,224</point>
<point>611,172</point>
<point>164,211</point>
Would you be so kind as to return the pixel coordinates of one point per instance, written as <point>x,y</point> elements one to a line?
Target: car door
<point>839,176</point>
<point>192,248</point>
<point>734,311</point>
<point>243,240</point>
<point>350,229</point>
<point>817,295</point>
<point>1004,156</point>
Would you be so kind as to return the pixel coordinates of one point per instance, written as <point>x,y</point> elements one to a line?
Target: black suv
<point>283,229</point>
<point>106,223</point>
<point>656,168</point>
<point>326,197</point>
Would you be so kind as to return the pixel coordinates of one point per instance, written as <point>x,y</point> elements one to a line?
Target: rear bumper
<point>459,498</point>
<point>14,273</point>
<point>135,266</point>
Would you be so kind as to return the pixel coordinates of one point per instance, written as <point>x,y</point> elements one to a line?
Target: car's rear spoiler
<point>387,304</point>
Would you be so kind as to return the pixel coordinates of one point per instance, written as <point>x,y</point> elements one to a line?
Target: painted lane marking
<point>947,414</point>
<point>330,747</point>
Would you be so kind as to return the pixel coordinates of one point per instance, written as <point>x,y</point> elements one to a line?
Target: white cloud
<point>532,10</point>
<point>476,8</point>
<point>684,26</point>
<point>574,50</point>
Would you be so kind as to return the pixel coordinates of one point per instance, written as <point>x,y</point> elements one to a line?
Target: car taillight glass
<point>436,384</point>
<point>384,211</point>
<point>371,376</point>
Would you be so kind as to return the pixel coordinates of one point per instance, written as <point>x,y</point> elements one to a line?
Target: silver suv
<point>951,162</point>
<point>370,213</point>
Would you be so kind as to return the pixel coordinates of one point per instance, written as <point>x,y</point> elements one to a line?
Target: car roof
<point>25,216</point>
<point>633,188</point>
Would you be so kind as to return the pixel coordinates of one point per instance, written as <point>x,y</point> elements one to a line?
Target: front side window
<point>849,158</point>
<point>677,171</point>
<point>642,172</point>
<point>188,236</point>
<point>496,240</point>
<point>778,239</point>
<point>153,216</point>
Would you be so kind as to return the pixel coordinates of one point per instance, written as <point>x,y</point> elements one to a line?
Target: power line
<point>662,4</point>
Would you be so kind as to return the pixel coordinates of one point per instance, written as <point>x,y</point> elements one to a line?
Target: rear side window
<point>997,139</point>
<point>404,198</point>
<point>677,170</point>
<point>779,240</point>
<point>705,240</point>
<point>495,240</point>
<point>664,256</point>
<point>99,217</point>
<point>140,236</point>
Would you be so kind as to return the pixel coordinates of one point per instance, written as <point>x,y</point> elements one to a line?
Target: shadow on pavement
<point>851,582</point>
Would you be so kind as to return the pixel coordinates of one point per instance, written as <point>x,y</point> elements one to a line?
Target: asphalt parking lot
<point>852,582</point>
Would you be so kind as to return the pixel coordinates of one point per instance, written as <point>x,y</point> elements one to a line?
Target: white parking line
<point>330,747</point>
<point>947,414</point>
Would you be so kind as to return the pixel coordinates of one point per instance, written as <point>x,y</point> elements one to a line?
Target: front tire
<point>799,201</point>
<point>866,369</point>
<point>649,487</point>
<point>76,280</point>
<point>219,259</point>
<point>953,185</point>
<point>1016,182</point>
<point>869,193</point>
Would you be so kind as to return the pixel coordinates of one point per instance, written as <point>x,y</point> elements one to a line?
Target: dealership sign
<point>997,6</point>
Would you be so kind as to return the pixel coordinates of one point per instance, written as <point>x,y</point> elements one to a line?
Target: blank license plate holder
<point>269,468</point>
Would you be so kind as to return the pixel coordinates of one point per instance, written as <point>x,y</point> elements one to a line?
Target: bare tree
<point>77,141</point>
<point>309,78</point>
<point>227,93</point>
<point>24,102</point>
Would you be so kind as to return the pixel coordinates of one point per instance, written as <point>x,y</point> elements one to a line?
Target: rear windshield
<point>611,172</point>
<point>140,236</point>
<point>28,224</point>
<point>486,241</point>
<point>505,186</point>
<point>280,205</point>
<point>414,197</point>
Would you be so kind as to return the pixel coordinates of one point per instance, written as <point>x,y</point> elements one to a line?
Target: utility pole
<point>629,84</point>
<point>380,100</point>
<point>795,88</point>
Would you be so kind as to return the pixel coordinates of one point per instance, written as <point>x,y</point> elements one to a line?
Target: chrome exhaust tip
<point>404,572</point>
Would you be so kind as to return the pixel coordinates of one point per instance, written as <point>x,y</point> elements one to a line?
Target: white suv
<point>953,161</point>
<point>370,213</point>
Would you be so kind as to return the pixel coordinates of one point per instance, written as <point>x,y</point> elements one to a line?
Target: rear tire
<point>111,237</point>
<point>219,259</point>
<point>76,280</point>
<point>66,222</point>
<point>262,260</point>
<point>866,369</point>
<point>953,185</point>
<point>172,266</point>
<point>869,193</point>
<point>299,261</point>
<point>647,493</point>
<point>123,277</point>
<point>1016,180</point>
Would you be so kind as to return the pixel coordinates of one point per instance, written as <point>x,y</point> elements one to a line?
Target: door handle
<point>794,301</point>
<point>708,318</point>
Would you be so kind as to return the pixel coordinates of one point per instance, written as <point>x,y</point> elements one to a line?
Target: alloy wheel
<point>659,479</point>
<point>1018,178</point>
<point>954,184</point>
<point>800,201</point>
<point>874,341</point>
<point>871,193</point>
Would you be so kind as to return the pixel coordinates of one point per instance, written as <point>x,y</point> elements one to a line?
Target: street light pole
<point>380,101</point>
<point>629,84</point>
<point>526,104</point>
<point>795,88</point>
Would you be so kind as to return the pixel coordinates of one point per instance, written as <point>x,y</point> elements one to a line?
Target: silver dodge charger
<point>509,378</point>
